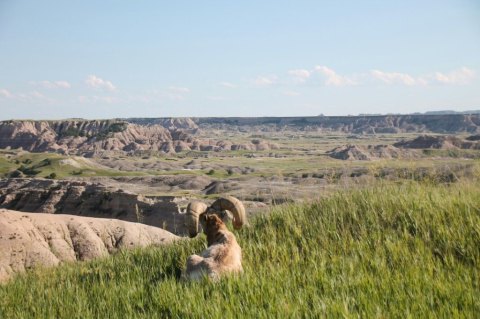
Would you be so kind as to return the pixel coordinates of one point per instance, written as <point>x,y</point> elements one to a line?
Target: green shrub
<point>110,130</point>
<point>15,174</point>
<point>52,176</point>
<point>71,131</point>
<point>28,170</point>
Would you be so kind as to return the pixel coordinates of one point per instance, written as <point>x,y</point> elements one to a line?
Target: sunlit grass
<point>393,250</point>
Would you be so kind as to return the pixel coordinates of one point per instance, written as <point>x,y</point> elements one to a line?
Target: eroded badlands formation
<point>29,240</point>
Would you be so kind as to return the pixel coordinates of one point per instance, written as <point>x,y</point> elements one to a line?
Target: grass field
<point>217,166</point>
<point>396,250</point>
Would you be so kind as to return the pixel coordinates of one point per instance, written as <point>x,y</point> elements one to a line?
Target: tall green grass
<point>406,250</point>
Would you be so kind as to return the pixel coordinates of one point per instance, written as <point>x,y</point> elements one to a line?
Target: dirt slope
<point>369,152</point>
<point>440,142</point>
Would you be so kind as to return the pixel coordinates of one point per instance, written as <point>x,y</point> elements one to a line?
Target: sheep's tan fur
<point>222,256</point>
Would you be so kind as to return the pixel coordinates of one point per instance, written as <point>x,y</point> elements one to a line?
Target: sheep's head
<point>220,207</point>
<point>211,223</point>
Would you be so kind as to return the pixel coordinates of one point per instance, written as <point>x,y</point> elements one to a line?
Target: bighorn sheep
<point>223,254</point>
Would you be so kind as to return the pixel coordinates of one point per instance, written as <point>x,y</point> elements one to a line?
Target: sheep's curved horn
<point>233,205</point>
<point>194,209</point>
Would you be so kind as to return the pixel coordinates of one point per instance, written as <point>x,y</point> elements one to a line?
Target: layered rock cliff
<point>93,200</point>
<point>170,135</point>
<point>441,123</point>
<point>91,137</point>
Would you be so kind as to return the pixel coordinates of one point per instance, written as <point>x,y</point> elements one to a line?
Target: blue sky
<point>105,59</point>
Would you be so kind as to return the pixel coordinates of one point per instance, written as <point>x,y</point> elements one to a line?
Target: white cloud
<point>52,84</point>
<point>397,78</point>
<point>332,78</point>
<point>25,97</point>
<point>98,83</point>
<point>300,75</point>
<point>37,95</point>
<point>6,94</point>
<point>63,84</point>
<point>228,85</point>
<point>461,76</point>
<point>262,81</point>
<point>33,96</point>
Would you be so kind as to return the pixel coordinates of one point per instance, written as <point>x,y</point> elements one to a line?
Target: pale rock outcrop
<point>30,240</point>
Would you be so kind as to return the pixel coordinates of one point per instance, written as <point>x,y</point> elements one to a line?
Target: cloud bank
<point>330,77</point>
<point>95,82</point>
